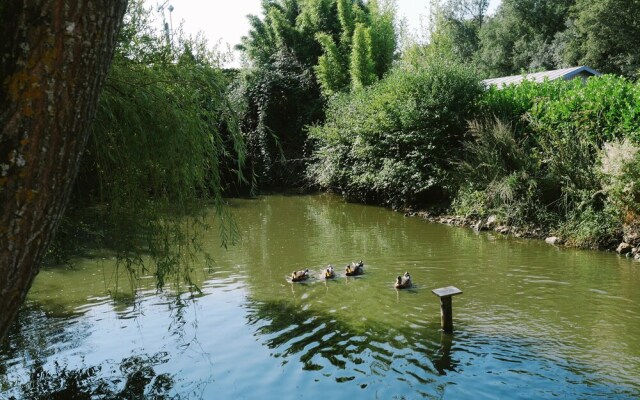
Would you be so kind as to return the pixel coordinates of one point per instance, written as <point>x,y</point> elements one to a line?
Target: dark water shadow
<point>320,341</point>
<point>443,361</point>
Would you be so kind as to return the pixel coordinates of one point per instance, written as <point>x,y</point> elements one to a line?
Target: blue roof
<point>565,73</point>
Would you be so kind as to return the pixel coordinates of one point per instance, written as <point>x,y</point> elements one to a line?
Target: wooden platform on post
<point>446,308</point>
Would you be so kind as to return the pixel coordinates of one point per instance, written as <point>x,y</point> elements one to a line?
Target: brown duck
<point>354,269</point>
<point>299,276</point>
<point>404,281</point>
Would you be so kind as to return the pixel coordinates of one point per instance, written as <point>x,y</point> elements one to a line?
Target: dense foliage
<point>321,102</point>
<point>394,142</point>
<point>544,164</point>
<point>533,35</point>
<point>604,35</point>
<point>299,53</point>
<point>523,35</point>
<point>276,102</point>
<point>558,157</point>
<point>165,143</point>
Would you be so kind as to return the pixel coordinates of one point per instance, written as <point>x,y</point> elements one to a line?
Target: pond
<point>534,321</point>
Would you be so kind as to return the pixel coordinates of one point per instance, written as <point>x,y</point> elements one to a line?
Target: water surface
<point>534,321</point>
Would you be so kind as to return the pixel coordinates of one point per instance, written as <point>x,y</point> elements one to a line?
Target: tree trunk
<point>54,58</point>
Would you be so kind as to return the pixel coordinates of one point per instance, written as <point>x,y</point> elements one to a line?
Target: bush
<point>395,142</point>
<point>591,228</point>
<point>275,103</point>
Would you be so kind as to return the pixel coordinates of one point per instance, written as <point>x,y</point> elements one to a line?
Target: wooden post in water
<point>446,308</point>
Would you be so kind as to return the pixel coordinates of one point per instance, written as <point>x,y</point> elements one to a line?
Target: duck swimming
<point>328,273</point>
<point>299,276</point>
<point>404,281</point>
<point>354,269</point>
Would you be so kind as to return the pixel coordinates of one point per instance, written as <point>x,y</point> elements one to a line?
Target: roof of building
<point>565,73</point>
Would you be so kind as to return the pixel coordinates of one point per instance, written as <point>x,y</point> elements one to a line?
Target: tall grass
<point>499,176</point>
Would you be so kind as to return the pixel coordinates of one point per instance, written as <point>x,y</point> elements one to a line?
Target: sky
<point>225,21</point>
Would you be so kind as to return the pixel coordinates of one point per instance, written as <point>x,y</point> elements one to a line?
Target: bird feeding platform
<point>446,308</point>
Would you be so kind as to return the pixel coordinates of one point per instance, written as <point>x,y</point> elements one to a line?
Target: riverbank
<point>628,245</point>
<point>480,224</point>
<point>546,165</point>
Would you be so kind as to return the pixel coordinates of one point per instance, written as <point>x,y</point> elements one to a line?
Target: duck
<point>328,273</point>
<point>404,281</point>
<point>354,269</point>
<point>299,276</point>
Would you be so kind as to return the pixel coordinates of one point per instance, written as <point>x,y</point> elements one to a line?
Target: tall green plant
<point>558,130</point>
<point>605,35</point>
<point>383,35</point>
<point>362,67</point>
<point>500,176</point>
<point>347,18</point>
<point>523,35</point>
<point>330,69</point>
<point>620,167</point>
<point>365,48</point>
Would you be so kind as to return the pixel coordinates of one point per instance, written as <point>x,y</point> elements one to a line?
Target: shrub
<point>603,109</point>
<point>590,227</point>
<point>394,142</point>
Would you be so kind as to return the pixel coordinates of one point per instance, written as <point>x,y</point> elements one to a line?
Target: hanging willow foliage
<point>165,144</point>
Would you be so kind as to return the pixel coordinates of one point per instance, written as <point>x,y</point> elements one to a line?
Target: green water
<point>534,321</point>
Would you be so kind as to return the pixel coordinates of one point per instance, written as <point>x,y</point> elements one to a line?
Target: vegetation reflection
<point>321,340</point>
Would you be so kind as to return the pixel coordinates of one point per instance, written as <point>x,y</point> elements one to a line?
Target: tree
<point>522,35</point>
<point>277,100</point>
<point>365,48</point>
<point>362,67</point>
<point>474,10</point>
<point>383,35</point>
<point>300,54</point>
<point>461,22</point>
<point>453,33</point>
<point>605,35</point>
<point>330,70</point>
<point>55,58</point>
<point>277,93</point>
<point>165,144</point>
<point>346,15</point>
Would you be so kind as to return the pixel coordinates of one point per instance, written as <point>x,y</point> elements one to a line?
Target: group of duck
<point>352,269</point>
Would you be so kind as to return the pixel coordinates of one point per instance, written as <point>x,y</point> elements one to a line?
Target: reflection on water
<point>322,341</point>
<point>37,339</point>
<point>136,378</point>
<point>533,322</point>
